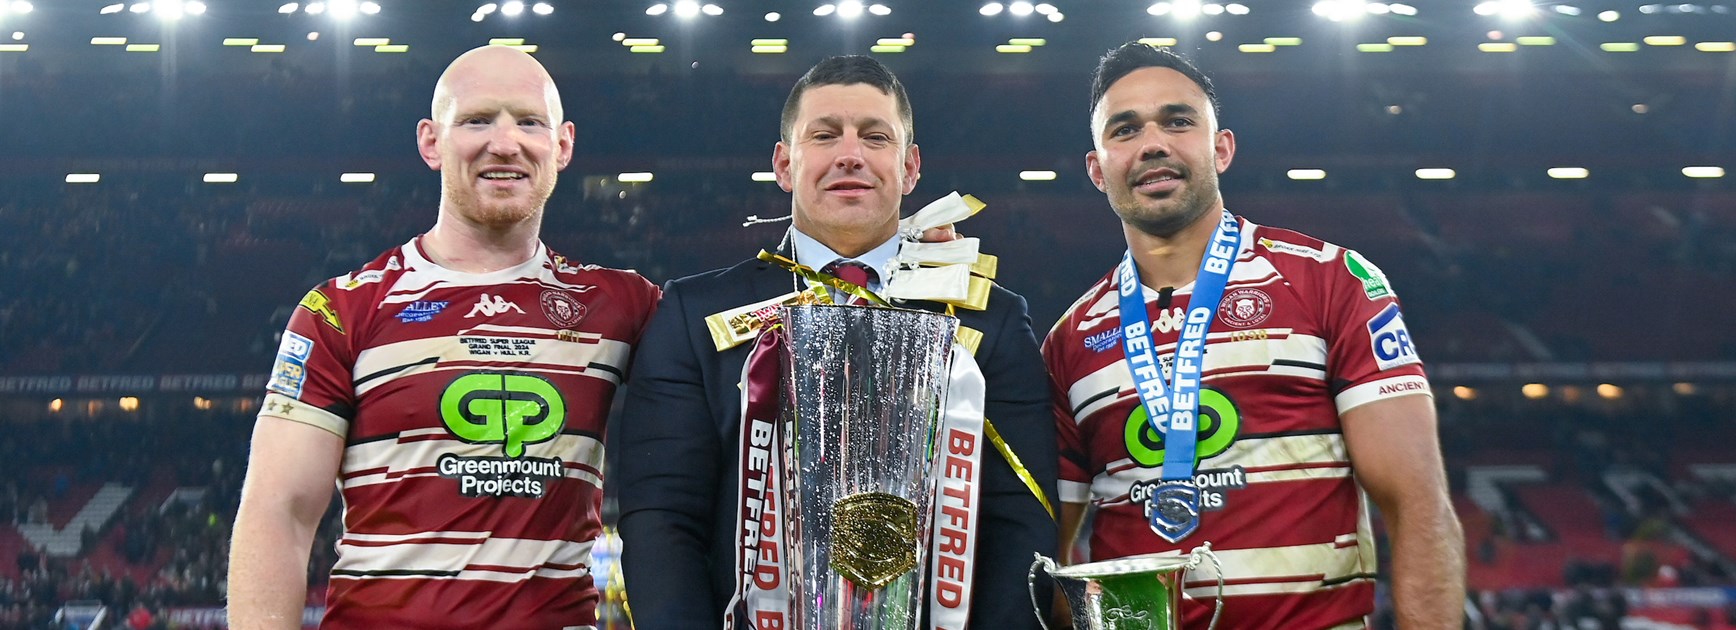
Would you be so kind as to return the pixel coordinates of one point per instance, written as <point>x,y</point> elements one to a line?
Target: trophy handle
<point>1031,585</point>
<point>1199,554</point>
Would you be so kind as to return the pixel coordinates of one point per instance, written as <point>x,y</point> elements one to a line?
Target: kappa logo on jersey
<point>1169,321</point>
<point>512,410</point>
<point>421,311</point>
<point>1220,423</point>
<point>562,310</point>
<point>318,304</point>
<point>1244,308</point>
<point>1104,340</point>
<point>1392,343</point>
<point>290,371</point>
<point>1374,283</point>
<point>491,306</point>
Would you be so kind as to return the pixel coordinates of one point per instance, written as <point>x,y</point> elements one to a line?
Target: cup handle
<point>1031,585</point>
<point>1199,554</point>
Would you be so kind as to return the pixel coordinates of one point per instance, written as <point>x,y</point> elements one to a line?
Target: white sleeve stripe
<point>1074,492</point>
<point>1407,385</point>
<point>285,408</point>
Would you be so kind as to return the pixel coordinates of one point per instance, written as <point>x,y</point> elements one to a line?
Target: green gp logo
<point>509,409</point>
<point>1219,424</point>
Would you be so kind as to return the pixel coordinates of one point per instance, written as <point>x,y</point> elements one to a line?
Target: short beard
<point>1167,224</point>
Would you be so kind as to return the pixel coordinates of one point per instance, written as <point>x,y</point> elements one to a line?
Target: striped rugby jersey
<point>472,408</point>
<point>1305,331</point>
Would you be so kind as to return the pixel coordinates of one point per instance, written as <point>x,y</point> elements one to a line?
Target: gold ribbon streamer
<point>1018,467</point>
<point>817,277</point>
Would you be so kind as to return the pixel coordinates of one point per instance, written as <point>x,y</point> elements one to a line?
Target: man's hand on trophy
<point>940,234</point>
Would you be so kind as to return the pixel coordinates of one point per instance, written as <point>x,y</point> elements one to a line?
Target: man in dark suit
<point>847,157</point>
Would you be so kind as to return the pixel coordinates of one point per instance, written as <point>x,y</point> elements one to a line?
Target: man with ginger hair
<point>455,390</point>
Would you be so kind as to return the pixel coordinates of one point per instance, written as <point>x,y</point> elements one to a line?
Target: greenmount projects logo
<point>1220,423</point>
<point>509,409</point>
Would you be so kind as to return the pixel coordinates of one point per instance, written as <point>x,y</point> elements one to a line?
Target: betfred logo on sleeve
<point>290,371</point>
<point>1391,342</point>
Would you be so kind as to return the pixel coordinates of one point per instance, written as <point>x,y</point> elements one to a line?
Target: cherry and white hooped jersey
<point>472,408</point>
<point>1306,330</point>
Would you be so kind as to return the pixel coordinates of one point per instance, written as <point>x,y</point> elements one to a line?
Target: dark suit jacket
<point>678,448</point>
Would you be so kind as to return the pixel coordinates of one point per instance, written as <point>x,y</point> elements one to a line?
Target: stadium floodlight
<point>1567,9</point>
<point>195,8</point>
<point>765,176</point>
<point>1703,172</point>
<point>1213,9</point>
<point>371,8</point>
<point>1436,173</point>
<point>168,9</point>
<point>83,178</point>
<point>1378,8</point>
<point>825,10</point>
<point>850,9</point>
<point>1340,10</point>
<point>1609,16</point>
<point>119,7</point>
<point>879,9</point>
<point>711,9</point>
<point>487,9</point>
<point>511,8</point>
<point>1045,9</point>
<point>314,8</point>
<point>221,178</point>
<point>1506,9</point>
<point>1306,174</point>
<point>1021,8</point>
<point>1160,8</point>
<point>991,9</point>
<point>634,178</point>
<point>18,6</point>
<point>1722,47</point>
<point>1568,172</point>
<point>774,16</point>
<point>1187,9</point>
<point>343,9</point>
<point>1037,176</point>
<point>356,178</point>
<point>1665,40</point>
<point>686,8</point>
<point>1057,16</point>
<point>14,47</point>
<point>108,41</point>
<point>1236,8</point>
<point>140,7</point>
<point>1402,9</point>
<point>544,8</point>
<point>287,8</point>
<point>657,9</point>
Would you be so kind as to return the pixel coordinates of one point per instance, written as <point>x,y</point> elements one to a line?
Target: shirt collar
<point>813,254</point>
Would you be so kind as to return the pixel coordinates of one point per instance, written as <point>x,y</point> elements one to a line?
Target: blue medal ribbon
<point>1173,408</point>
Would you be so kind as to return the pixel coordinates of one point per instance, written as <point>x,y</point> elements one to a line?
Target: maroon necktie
<point>852,272</point>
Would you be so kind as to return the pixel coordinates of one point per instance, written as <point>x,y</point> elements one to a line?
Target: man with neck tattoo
<point>1241,385</point>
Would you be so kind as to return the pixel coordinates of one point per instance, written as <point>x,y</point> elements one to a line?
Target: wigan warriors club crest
<point>562,310</point>
<point>1245,308</point>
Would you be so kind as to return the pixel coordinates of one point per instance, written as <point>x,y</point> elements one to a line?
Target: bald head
<point>487,70</point>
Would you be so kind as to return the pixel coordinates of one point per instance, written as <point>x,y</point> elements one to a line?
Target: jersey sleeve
<point>1370,354</point>
<point>310,381</point>
<point>1075,471</point>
